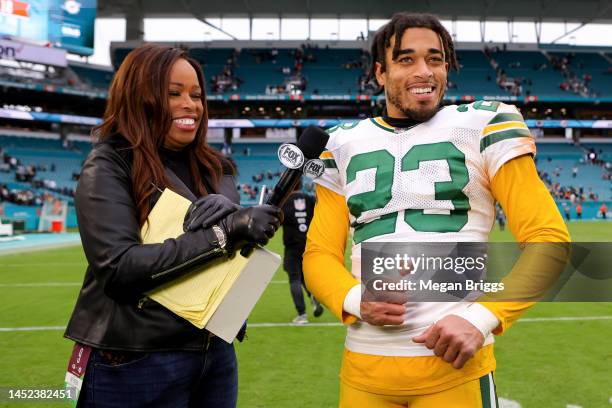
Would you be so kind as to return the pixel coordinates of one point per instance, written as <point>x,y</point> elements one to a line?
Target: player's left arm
<point>532,217</point>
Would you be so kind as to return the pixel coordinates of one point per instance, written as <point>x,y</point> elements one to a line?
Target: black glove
<point>207,211</point>
<point>254,225</point>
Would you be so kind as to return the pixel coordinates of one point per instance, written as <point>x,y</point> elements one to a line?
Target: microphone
<point>300,158</point>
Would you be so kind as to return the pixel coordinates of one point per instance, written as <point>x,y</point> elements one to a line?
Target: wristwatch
<point>221,236</point>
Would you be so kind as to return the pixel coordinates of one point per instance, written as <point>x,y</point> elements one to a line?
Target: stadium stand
<point>590,68</point>
<point>57,166</point>
<point>253,73</point>
<point>262,68</point>
<point>556,164</point>
<point>335,71</point>
<point>257,164</point>
<point>530,71</point>
<point>96,78</point>
<point>476,76</point>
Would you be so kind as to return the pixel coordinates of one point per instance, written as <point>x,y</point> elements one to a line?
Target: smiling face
<point>415,82</point>
<point>186,107</point>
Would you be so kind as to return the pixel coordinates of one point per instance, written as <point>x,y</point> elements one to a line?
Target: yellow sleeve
<point>323,265</point>
<point>532,217</point>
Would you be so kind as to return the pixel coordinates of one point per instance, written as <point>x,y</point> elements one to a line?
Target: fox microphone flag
<point>301,158</point>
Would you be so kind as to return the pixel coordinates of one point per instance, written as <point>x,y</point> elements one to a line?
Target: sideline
<point>333,324</point>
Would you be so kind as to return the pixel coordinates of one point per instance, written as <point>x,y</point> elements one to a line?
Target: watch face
<point>220,235</point>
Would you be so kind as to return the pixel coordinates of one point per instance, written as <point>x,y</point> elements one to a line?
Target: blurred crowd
<point>576,193</point>
<point>227,80</point>
<point>573,82</point>
<point>27,175</point>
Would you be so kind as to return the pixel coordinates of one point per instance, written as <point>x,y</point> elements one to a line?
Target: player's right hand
<point>382,313</point>
<point>381,307</point>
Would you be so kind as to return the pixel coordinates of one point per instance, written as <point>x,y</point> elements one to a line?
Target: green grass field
<point>541,363</point>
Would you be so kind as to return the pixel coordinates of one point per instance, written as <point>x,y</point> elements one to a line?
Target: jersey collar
<point>394,124</point>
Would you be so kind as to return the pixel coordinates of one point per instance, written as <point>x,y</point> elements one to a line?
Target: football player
<point>298,211</point>
<point>422,173</point>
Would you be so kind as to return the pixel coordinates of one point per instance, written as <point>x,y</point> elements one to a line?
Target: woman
<point>154,136</point>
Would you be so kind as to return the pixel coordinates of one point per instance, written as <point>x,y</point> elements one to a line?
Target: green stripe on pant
<point>487,390</point>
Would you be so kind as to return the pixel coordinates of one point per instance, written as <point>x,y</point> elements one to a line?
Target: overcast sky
<point>107,30</point>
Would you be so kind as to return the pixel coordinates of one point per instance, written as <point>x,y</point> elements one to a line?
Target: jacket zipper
<point>142,301</point>
<point>185,264</point>
<point>209,337</point>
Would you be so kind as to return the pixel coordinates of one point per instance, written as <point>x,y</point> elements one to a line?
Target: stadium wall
<point>30,214</point>
<point>590,209</point>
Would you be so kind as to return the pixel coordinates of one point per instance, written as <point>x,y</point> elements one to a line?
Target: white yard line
<point>38,285</point>
<point>327,324</point>
<point>507,403</point>
<point>331,324</point>
<point>44,247</point>
<point>33,328</point>
<point>563,319</point>
<point>24,265</point>
<point>48,284</point>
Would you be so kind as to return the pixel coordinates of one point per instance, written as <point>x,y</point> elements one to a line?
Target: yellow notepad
<point>198,295</point>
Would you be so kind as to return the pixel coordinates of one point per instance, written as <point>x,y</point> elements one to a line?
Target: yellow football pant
<point>478,393</point>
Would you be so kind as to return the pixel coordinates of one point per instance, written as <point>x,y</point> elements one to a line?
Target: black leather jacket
<point>112,311</point>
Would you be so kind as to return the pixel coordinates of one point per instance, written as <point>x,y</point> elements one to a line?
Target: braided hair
<point>396,27</point>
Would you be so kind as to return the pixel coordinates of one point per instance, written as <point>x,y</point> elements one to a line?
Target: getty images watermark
<point>450,272</point>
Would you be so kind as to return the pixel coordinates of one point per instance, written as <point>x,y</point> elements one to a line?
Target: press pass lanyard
<point>76,372</point>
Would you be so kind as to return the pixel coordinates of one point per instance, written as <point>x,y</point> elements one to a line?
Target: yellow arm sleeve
<point>532,217</point>
<point>324,271</point>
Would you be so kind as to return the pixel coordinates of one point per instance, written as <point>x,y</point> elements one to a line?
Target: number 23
<point>384,163</point>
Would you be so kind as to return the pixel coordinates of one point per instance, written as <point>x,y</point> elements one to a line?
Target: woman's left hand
<point>207,211</point>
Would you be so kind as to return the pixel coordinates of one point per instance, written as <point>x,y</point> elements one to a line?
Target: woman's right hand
<point>253,225</point>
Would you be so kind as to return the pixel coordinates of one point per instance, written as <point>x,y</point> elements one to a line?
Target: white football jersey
<point>427,183</point>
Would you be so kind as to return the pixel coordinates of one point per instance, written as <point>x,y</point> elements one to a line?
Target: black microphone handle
<point>280,193</point>
<point>284,187</point>
<point>310,145</point>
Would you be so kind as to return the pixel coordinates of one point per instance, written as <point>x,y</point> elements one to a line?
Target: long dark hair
<point>138,109</point>
<point>396,27</point>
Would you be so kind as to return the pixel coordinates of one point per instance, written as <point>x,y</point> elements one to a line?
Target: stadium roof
<point>584,11</point>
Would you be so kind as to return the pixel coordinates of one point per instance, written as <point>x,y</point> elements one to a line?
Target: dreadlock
<point>396,27</point>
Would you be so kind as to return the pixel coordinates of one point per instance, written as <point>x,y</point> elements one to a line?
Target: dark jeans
<point>181,379</point>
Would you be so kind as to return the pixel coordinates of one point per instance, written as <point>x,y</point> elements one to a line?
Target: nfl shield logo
<point>299,204</point>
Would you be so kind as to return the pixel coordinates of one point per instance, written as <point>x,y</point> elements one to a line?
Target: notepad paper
<point>218,296</point>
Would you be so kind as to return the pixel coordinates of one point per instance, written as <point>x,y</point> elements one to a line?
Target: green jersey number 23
<point>384,163</point>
